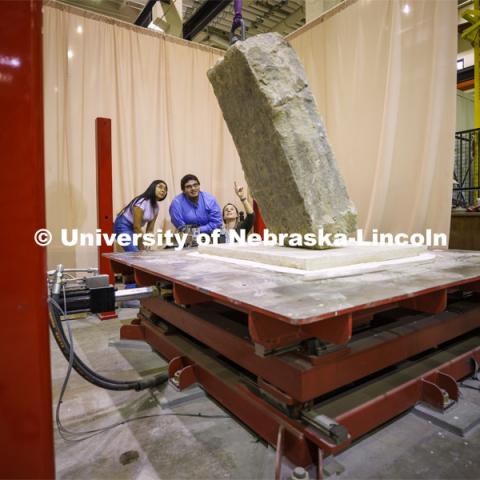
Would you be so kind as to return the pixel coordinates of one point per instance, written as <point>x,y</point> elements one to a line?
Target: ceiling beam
<point>202,17</point>
<point>145,17</point>
<point>168,17</point>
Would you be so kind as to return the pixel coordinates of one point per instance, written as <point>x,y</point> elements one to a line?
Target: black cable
<point>61,428</point>
<point>64,432</point>
<point>83,370</point>
<point>78,365</point>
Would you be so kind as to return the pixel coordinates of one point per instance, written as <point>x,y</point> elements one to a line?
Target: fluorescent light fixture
<point>406,9</point>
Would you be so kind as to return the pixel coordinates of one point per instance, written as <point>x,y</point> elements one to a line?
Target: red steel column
<point>103,133</point>
<point>26,431</point>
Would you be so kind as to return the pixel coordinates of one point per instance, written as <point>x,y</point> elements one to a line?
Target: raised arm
<point>242,195</point>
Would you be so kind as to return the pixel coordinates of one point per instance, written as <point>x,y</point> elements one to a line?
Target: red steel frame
<point>301,444</point>
<point>303,378</point>
<point>272,331</point>
<point>26,426</point>
<point>295,379</point>
<point>103,136</point>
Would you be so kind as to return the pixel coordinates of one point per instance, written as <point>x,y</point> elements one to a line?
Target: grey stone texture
<point>271,113</point>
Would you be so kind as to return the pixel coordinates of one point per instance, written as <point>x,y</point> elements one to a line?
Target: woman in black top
<point>231,215</point>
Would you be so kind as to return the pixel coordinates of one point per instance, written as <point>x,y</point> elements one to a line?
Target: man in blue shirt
<point>195,208</point>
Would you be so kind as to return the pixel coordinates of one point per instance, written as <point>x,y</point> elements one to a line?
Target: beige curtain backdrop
<point>384,77</point>
<point>165,119</point>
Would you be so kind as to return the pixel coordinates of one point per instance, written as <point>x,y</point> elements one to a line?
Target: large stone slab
<point>289,165</point>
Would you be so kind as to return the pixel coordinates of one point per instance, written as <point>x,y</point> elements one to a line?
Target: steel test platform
<point>311,365</point>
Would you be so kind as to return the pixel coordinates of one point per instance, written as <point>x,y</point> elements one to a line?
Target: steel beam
<point>403,389</point>
<point>145,17</point>
<point>195,327</point>
<point>202,17</point>
<point>429,298</point>
<point>298,375</point>
<point>302,443</point>
<point>166,16</point>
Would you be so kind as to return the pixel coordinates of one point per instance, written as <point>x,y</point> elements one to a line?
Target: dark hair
<point>236,209</point>
<point>148,194</point>
<point>186,179</point>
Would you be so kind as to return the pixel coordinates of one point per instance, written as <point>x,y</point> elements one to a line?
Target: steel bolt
<point>299,473</point>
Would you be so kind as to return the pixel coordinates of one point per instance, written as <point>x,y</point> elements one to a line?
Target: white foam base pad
<point>353,259</point>
<point>308,259</point>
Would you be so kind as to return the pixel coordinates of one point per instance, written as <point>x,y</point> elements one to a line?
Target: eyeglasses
<point>192,185</point>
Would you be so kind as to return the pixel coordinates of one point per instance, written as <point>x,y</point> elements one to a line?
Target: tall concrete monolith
<point>289,165</point>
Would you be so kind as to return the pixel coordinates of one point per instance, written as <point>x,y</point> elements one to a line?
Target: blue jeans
<point>123,225</point>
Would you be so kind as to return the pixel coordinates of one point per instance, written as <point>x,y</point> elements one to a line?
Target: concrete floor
<point>176,443</point>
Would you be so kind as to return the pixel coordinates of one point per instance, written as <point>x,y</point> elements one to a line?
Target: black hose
<point>82,369</point>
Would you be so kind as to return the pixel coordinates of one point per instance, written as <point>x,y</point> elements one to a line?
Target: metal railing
<point>465,172</point>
